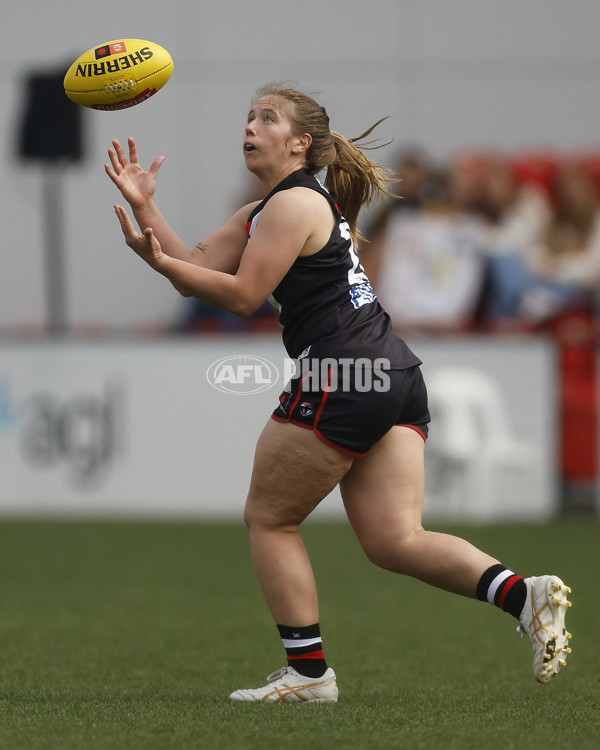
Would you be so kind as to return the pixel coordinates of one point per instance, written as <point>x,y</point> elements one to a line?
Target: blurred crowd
<point>486,242</point>
<point>490,241</point>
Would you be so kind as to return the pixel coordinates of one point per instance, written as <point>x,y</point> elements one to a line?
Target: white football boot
<point>288,686</point>
<point>543,619</point>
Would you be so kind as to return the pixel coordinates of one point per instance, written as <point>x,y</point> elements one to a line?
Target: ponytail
<point>354,179</point>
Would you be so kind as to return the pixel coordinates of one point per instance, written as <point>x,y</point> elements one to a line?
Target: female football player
<point>356,413</point>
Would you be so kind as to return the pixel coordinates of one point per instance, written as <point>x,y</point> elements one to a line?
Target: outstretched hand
<point>136,184</point>
<point>145,245</point>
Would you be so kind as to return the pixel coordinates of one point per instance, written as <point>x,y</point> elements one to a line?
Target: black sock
<point>304,649</point>
<point>501,587</point>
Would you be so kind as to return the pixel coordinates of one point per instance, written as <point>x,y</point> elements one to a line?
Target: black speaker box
<point>52,125</point>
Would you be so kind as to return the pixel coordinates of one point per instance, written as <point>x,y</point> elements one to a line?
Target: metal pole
<point>56,314</point>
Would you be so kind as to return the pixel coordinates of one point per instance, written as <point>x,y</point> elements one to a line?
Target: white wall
<point>450,73</point>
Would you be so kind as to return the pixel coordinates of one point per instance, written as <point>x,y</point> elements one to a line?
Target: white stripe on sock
<point>496,583</point>
<point>299,642</point>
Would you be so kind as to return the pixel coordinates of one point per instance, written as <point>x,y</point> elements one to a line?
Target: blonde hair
<point>352,178</point>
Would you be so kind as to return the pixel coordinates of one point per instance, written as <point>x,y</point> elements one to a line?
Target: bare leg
<point>383,494</point>
<point>293,471</point>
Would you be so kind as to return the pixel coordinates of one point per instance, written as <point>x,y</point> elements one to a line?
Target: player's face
<point>268,136</point>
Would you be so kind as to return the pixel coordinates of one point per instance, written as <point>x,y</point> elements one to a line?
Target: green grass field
<point>124,635</point>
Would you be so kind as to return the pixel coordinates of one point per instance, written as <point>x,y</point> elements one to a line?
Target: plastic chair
<point>476,469</point>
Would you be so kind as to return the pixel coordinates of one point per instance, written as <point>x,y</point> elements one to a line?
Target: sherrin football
<point>118,74</point>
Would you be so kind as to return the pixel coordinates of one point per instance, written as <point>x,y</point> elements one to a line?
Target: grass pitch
<point>126,636</point>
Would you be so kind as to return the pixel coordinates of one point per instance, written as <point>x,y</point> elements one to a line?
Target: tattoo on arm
<point>203,248</point>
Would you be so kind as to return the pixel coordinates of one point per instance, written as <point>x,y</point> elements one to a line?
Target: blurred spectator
<point>544,256</point>
<point>415,186</point>
<point>571,254</point>
<point>425,254</point>
<point>519,215</point>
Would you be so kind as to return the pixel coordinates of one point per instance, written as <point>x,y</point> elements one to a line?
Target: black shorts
<point>351,416</point>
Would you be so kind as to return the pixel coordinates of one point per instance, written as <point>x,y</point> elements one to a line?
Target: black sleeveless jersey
<point>326,303</point>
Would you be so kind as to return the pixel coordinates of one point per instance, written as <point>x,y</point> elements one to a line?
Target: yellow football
<point>118,74</point>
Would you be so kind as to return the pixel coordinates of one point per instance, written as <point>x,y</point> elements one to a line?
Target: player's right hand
<point>136,184</point>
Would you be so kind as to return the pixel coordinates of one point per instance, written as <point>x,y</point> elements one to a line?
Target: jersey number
<point>356,274</point>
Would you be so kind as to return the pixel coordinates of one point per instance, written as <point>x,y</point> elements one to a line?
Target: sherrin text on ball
<point>118,75</point>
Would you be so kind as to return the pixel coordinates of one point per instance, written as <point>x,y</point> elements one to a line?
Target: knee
<point>256,512</point>
<point>259,518</point>
<point>253,519</point>
<point>378,555</point>
<point>393,553</point>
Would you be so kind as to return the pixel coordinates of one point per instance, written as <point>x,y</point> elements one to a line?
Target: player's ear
<point>302,143</point>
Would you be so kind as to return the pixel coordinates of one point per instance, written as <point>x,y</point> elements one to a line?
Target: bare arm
<point>222,250</point>
<point>288,224</point>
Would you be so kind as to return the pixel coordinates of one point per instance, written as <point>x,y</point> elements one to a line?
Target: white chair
<point>476,469</point>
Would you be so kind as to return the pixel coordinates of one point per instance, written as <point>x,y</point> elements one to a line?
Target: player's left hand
<point>145,245</point>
